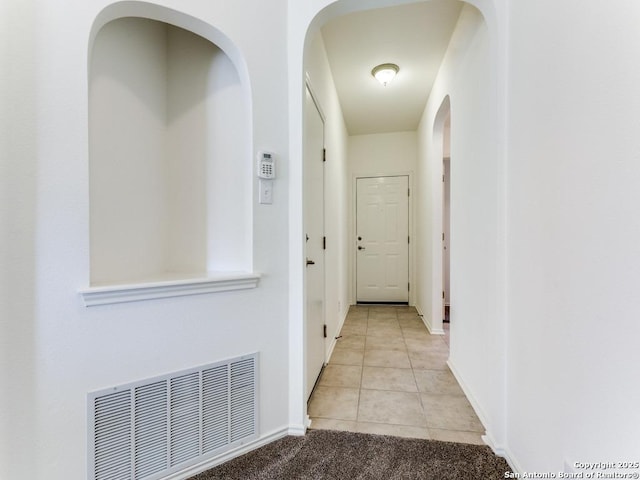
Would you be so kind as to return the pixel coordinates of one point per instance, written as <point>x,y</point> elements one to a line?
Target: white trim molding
<point>246,448</point>
<point>427,323</point>
<point>150,290</point>
<point>504,453</point>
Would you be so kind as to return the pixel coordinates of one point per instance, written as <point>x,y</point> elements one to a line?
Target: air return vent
<point>148,429</point>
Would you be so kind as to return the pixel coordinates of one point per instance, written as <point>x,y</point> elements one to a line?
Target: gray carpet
<point>327,454</point>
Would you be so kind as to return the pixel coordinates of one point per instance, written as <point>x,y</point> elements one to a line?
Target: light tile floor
<point>388,375</point>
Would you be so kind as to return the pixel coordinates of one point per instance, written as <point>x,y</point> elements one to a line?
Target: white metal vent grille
<point>148,429</point>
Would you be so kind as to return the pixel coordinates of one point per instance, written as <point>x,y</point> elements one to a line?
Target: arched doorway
<point>429,261</point>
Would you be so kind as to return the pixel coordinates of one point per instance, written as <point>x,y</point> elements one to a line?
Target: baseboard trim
<point>300,430</point>
<point>487,438</point>
<point>427,322</point>
<point>504,453</point>
<point>213,462</point>
<point>497,449</point>
<point>468,394</point>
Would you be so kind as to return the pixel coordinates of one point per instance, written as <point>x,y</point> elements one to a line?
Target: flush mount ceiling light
<point>384,73</point>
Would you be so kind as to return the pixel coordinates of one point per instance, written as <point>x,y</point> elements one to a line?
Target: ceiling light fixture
<point>384,73</point>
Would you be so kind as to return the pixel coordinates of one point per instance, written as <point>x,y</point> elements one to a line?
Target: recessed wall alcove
<point>170,177</point>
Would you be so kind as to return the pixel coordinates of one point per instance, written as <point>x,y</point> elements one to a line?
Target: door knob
<point>310,262</point>
<point>360,247</point>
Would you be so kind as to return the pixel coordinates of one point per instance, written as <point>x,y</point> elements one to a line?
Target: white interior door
<point>314,229</point>
<point>382,239</point>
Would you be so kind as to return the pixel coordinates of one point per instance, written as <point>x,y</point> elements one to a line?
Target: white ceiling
<point>414,36</point>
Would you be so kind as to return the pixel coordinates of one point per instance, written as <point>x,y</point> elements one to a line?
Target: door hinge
<point>408,286</point>
<point>408,192</point>
<point>443,236</point>
<point>408,239</point>
<point>443,294</point>
<point>324,330</point>
<point>324,154</point>
<point>324,243</point>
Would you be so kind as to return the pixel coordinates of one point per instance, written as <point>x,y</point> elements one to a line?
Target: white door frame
<point>434,318</point>
<point>314,98</point>
<point>352,227</point>
<point>446,232</point>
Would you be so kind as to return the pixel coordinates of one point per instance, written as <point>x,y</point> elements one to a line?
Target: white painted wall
<point>210,161</point>
<point>466,83</point>
<point>54,350</point>
<point>574,233</point>
<point>568,277</point>
<point>382,154</point>
<point>336,188</point>
<point>18,184</point>
<point>128,164</point>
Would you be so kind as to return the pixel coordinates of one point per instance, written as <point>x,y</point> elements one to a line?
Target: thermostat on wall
<point>266,165</point>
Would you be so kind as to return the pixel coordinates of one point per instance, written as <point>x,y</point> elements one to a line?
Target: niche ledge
<point>154,289</point>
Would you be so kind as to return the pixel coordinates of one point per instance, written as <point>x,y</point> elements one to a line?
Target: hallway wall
<point>55,350</point>
<point>464,80</point>
<point>336,189</point>
<point>382,154</point>
<point>574,233</point>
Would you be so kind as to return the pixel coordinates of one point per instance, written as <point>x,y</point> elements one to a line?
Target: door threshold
<point>382,303</point>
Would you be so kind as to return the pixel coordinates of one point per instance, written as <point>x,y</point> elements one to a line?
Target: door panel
<point>314,229</point>
<point>382,233</point>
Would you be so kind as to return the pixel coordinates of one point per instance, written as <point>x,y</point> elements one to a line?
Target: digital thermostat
<point>266,165</point>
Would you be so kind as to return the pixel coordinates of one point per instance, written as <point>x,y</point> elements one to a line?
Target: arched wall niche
<point>170,170</point>
<point>172,17</point>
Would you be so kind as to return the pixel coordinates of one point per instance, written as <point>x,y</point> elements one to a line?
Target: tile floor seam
<point>415,380</point>
<point>430,426</point>
<point>361,370</point>
<point>424,410</point>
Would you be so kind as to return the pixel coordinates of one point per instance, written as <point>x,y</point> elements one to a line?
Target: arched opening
<point>169,152</point>
<point>479,123</point>
<point>441,276</point>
